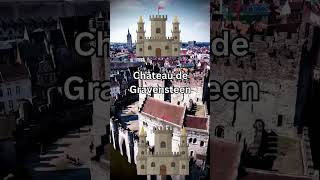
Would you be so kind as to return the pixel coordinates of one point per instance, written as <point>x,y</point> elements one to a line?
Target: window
<point>163,144</point>
<point>158,30</point>
<point>2,106</point>
<point>10,104</point>
<point>167,48</point>
<point>140,49</point>
<point>149,47</point>
<point>9,91</point>
<point>280,119</point>
<point>140,27</point>
<point>173,164</point>
<point>183,166</point>
<point>219,132</point>
<point>190,140</point>
<point>191,153</point>
<point>142,152</point>
<point>201,143</point>
<point>182,152</point>
<point>175,49</point>
<point>142,166</point>
<point>175,37</point>
<point>153,164</point>
<point>140,37</point>
<point>194,140</point>
<point>175,28</point>
<point>18,90</point>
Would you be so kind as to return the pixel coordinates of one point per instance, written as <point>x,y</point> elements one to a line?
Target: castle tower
<point>158,26</point>
<point>183,149</point>
<point>176,37</point>
<point>129,41</point>
<point>140,38</point>
<point>100,72</point>
<point>163,140</point>
<point>142,153</point>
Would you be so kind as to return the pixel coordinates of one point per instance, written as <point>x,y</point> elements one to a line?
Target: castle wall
<point>277,78</point>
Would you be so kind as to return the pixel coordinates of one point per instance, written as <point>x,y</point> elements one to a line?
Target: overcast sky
<point>193,15</point>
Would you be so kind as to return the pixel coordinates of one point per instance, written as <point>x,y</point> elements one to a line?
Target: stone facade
<point>158,44</point>
<point>163,161</point>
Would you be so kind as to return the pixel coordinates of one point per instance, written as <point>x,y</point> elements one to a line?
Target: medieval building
<point>162,161</point>
<point>158,44</point>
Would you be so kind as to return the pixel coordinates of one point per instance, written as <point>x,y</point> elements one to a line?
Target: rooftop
<point>164,110</point>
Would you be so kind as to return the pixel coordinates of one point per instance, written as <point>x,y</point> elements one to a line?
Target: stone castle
<point>162,161</point>
<point>158,44</point>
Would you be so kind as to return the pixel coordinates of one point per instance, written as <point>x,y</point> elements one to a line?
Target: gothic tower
<point>100,72</point>
<point>176,37</point>
<point>140,38</point>
<point>129,41</point>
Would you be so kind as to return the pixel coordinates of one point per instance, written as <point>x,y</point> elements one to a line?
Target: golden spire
<point>142,132</point>
<point>183,131</point>
<point>175,19</point>
<point>140,19</point>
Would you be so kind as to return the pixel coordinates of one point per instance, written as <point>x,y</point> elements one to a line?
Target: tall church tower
<point>140,38</point>
<point>129,41</point>
<point>176,37</point>
<point>100,72</point>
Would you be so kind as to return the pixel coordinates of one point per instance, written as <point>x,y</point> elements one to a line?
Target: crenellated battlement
<point>163,130</point>
<point>158,17</point>
<point>158,38</point>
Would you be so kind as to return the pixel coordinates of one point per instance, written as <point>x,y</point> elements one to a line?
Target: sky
<point>194,16</point>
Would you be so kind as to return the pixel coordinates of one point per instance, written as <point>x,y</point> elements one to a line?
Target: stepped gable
<point>225,159</point>
<point>164,110</point>
<point>197,122</point>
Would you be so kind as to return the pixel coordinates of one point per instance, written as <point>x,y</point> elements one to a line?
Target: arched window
<point>140,37</point>
<point>153,164</point>
<point>142,166</point>
<point>158,30</point>
<point>201,143</point>
<point>219,131</point>
<point>194,140</point>
<point>190,140</point>
<point>183,166</point>
<point>173,164</point>
<point>142,152</point>
<point>149,47</point>
<point>163,144</point>
<point>167,47</point>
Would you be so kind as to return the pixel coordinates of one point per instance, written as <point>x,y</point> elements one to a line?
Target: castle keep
<point>162,161</point>
<point>158,44</point>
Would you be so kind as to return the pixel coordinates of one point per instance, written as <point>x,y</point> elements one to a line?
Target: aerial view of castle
<point>158,44</point>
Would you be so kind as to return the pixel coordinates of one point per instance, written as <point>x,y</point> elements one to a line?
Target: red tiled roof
<point>225,159</point>
<point>197,122</point>
<point>261,175</point>
<point>164,111</point>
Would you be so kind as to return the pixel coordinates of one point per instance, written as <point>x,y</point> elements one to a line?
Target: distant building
<point>158,44</point>
<point>191,44</point>
<point>129,41</point>
<point>15,84</point>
